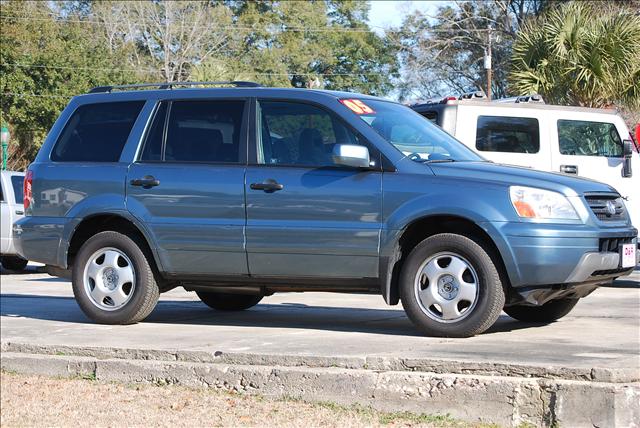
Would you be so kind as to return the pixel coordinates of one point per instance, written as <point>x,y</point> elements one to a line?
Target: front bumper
<point>544,254</point>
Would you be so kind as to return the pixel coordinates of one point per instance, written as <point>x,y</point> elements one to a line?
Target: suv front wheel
<point>450,287</point>
<point>112,280</point>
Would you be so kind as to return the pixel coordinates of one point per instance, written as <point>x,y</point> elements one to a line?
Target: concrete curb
<point>505,400</point>
<point>379,363</point>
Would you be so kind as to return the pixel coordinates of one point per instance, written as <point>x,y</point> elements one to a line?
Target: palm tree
<point>580,53</point>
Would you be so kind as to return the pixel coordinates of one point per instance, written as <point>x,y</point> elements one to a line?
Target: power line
<point>21,95</point>
<point>281,27</point>
<point>150,70</point>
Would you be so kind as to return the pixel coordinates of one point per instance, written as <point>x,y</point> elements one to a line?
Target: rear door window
<point>508,134</point>
<point>583,138</point>
<point>17,182</point>
<point>96,132</point>
<point>204,131</point>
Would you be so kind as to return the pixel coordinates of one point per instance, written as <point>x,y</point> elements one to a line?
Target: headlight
<point>530,202</point>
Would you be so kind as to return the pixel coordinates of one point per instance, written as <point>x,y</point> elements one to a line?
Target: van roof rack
<point>171,85</point>
<point>532,98</point>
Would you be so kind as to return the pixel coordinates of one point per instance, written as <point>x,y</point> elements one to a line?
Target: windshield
<point>412,134</point>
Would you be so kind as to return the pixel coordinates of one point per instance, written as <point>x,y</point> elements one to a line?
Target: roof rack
<point>171,85</point>
<point>533,98</point>
<point>472,95</point>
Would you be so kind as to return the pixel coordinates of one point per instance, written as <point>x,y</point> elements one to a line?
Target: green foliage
<point>43,63</point>
<point>580,54</point>
<point>51,51</point>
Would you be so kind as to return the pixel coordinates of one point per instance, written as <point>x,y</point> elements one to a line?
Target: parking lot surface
<point>602,331</point>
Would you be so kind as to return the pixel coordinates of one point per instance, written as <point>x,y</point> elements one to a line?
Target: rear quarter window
<point>508,134</point>
<point>96,132</point>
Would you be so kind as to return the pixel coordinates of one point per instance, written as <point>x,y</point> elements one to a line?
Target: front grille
<point>607,207</point>
<point>612,245</point>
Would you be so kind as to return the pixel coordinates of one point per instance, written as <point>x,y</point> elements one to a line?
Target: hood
<point>520,176</point>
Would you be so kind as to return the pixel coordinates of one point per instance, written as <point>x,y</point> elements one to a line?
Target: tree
<point>169,37</point>
<point>297,43</point>
<point>443,53</point>
<point>580,54</point>
<point>44,61</point>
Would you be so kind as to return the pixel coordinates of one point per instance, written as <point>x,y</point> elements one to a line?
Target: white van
<point>592,143</point>
<point>11,209</point>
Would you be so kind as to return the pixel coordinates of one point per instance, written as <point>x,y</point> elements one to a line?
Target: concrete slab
<point>601,333</point>
<point>580,371</point>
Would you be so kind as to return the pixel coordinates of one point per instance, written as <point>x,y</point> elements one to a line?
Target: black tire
<point>489,298</point>
<point>16,263</point>
<point>228,302</point>
<point>145,293</point>
<point>547,313</point>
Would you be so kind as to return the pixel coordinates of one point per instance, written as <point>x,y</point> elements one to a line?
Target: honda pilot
<point>236,191</point>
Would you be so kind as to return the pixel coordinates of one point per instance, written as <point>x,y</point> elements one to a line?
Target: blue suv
<point>237,191</point>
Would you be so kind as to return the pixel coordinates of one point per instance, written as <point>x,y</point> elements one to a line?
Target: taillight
<point>28,195</point>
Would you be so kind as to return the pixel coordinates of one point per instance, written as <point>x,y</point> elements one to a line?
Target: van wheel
<point>112,280</point>
<point>549,312</point>
<point>228,302</point>
<point>450,286</point>
<point>16,263</point>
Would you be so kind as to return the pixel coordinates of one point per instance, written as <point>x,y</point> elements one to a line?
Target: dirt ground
<point>36,401</point>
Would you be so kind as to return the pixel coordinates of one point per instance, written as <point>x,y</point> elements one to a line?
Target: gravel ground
<point>34,401</point>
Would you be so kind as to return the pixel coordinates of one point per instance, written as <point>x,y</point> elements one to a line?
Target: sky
<point>390,13</point>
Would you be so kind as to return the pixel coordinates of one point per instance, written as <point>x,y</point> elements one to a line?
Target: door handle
<point>569,169</point>
<point>19,212</point>
<point>146,182</point>
<point>269,186</point>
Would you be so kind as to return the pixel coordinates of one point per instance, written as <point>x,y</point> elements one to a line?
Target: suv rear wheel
<point>549,312</point>
<point>450,286</point>
<point>228,302</point>
<point>112,280</point>
<point>16,263</point>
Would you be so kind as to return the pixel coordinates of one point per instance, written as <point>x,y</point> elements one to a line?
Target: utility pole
<point>487,62</point>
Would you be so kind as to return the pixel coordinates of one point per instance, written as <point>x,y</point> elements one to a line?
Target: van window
<point>204,131</point>
<point>17,182</point>
<point>431,115</point>
<point>578,137</point>
<point>299,134</point>
<point>96,132</point>
<point>508,134</point>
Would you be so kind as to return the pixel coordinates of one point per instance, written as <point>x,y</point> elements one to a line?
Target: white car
<point>592,143</point>
<point>11,209</point>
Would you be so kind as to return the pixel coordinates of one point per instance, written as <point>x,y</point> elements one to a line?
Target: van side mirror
<point>627,153</point>
<point>351,155</point>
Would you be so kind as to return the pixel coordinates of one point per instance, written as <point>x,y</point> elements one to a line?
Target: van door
<point>6,219</point>
<point>504,135</point>
<point>187,186</point>
<point>590,145</point>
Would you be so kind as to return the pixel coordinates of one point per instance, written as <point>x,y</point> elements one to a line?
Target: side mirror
<point>627,153</point>
<point>351,155</point>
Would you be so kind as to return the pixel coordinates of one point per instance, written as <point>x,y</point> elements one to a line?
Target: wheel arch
<point>117,222</point>
<point>423,227</point>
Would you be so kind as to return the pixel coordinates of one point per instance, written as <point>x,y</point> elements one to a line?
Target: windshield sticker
<point>357,106</point>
